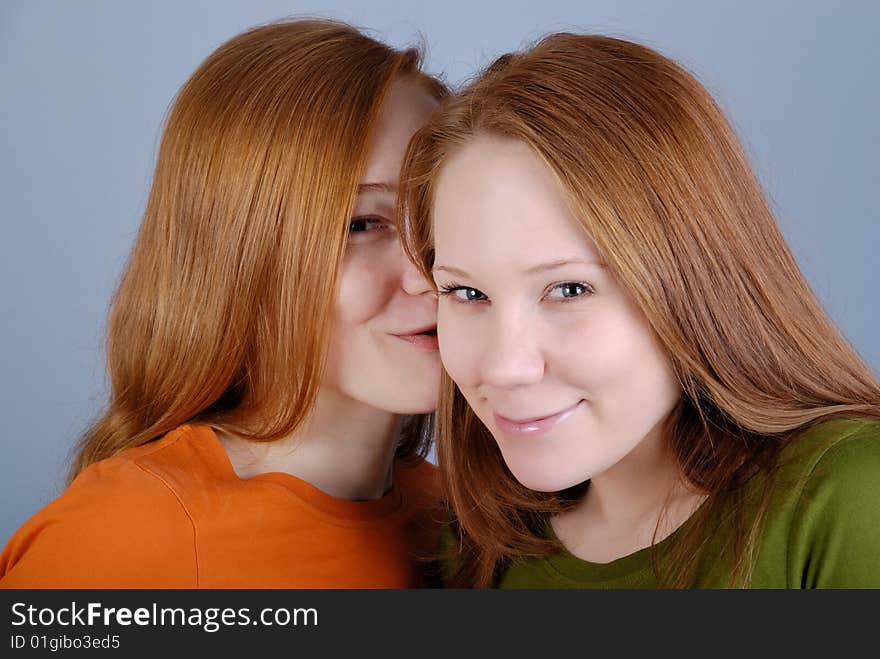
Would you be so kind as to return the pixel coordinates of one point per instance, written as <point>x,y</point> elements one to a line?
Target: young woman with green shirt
<point>640,389</point>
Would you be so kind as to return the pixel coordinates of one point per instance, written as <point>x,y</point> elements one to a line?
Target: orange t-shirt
<point>174,514</point>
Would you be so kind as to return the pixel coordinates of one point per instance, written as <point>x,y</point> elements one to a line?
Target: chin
<point>412,405</point>
<point>423,408</point>
<point>547,482</point>
<point>546,477</point>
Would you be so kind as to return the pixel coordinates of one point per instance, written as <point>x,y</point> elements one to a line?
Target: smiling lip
<point>534,426</point>
<point>425,338</point>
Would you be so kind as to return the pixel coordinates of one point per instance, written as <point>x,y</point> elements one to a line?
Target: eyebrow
<point>379,187</point>
<point>535,269</point>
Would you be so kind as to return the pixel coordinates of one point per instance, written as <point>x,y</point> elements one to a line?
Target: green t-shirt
<point>821,528</point>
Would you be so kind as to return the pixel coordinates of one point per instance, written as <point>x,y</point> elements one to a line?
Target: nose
<point>412,280</point>
<point>512,355</point>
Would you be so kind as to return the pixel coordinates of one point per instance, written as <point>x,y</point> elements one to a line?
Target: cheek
<point>613,354</point>
<point>459,344</point>
<point>365,288</point>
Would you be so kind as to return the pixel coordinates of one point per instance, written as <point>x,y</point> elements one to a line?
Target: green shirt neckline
<point>820,530</point>
<point>567,565</point>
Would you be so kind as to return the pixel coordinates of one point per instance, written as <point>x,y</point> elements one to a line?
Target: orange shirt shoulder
<point>173,514</point>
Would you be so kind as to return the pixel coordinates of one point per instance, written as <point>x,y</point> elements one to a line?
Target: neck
<point>345,449</point>
<point>640,500</point>
<point>636,486</point>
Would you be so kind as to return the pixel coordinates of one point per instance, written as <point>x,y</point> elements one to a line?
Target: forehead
<point>496,199</point>
<point>405,109</point>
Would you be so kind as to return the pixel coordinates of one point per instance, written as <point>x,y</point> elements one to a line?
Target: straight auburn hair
<point>658,180</point>
<point>223,313</point>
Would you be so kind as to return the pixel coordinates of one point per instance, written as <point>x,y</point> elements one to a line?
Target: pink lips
<point>421,338</point>
<point>534,426</point>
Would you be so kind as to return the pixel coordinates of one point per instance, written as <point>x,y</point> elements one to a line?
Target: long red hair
<point>656,176</point>
<point>222,315</point>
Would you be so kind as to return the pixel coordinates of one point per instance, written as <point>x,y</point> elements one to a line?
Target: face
<point>548,349</point>
<point>383,346</point>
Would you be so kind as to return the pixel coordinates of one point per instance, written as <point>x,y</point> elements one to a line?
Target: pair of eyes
<point>562,292</point>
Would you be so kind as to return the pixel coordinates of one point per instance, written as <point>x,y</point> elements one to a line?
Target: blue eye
<point>568,290</point>
<point>469,294</point>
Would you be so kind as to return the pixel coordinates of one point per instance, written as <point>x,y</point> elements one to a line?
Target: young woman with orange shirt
<point>271,351</point>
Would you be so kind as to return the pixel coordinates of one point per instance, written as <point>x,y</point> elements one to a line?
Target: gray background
<point>84,87</point>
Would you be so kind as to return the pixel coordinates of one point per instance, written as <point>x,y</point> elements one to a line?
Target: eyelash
<point>450,289</point>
